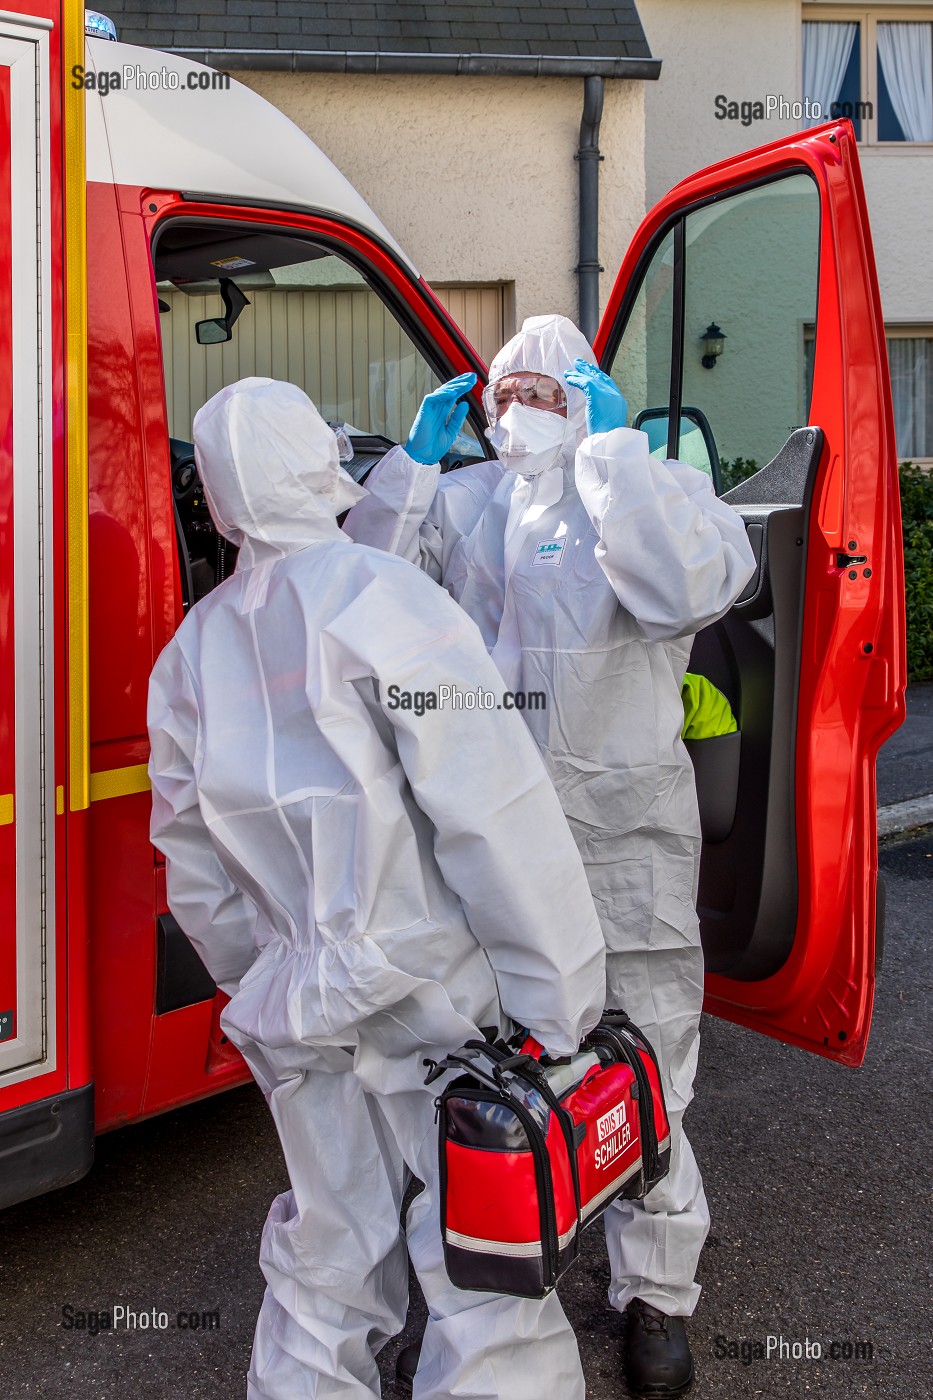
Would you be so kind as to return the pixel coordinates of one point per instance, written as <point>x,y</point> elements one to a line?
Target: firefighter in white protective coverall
<point>371,885</point>
<point>588,565</point>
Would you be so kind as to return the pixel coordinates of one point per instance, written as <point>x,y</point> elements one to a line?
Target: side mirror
<point>697,444</point>
<point>212,332</point>
<point>219,329</point>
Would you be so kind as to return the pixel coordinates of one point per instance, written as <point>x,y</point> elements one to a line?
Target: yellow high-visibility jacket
<point>707,712</point>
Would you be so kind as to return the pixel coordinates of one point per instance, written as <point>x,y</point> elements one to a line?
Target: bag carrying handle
<point>437,1068</point>
<point>530,1050</point>
<point>489,1074</point>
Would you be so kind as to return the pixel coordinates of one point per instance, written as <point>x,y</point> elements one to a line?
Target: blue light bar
<point>98,26</point>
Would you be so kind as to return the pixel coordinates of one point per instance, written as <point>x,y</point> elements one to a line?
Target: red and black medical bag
<point>534,1150</point>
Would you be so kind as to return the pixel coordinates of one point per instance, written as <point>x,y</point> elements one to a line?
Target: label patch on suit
<point>549,552</point>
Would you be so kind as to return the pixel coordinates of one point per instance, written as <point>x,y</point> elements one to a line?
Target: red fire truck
<point>165,231</point>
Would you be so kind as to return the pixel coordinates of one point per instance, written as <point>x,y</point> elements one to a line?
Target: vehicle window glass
<point>312,320</point>
<point>751,271</point>
<point>642,364</point>
<point>751,268</point>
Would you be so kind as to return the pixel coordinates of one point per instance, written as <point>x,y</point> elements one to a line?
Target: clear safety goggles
<point>533,390</point>
<point>344,445</point>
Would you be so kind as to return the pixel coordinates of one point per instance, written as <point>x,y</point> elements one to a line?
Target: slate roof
<point>587,29</point>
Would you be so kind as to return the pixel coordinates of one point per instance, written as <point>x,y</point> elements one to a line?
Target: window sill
<point>895,148</point>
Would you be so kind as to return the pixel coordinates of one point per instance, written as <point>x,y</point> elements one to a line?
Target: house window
<point>910,356</point>
<point>874,66</point>
<point>905,81</point>
<point>832,71</point>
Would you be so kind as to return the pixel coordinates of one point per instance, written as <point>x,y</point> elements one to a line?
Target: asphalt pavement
<point>817,1177</point>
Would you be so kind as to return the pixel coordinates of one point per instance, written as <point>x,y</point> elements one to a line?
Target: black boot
<point>407,1364</point>
<point>658,1363</point>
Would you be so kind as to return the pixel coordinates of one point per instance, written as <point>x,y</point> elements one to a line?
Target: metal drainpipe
<point>588,268</point>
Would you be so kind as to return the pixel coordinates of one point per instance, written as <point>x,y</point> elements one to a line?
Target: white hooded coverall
<point>588,582</point>
<point>404,880</point>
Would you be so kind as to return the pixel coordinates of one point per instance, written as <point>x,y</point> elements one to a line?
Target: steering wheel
<point>184,472</point>
<point>184,481</point>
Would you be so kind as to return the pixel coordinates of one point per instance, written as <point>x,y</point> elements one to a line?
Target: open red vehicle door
<point>789,408</point>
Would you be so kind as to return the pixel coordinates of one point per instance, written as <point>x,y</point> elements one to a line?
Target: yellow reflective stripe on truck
<point>75,203</point>
<point>119,782</point>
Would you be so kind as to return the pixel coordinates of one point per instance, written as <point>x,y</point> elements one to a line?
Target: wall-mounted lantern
<point>712,339</point>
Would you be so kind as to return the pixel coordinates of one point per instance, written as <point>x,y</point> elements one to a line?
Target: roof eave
<point>454,64</point>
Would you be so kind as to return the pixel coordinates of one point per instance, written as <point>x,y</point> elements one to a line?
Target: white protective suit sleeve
<point>676,556</point>
<point>390,517</point>
<point>501,840</point>
<point>415,512</point>
<point>219,920</point>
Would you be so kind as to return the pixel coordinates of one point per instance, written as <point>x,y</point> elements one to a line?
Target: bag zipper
<point>545,1185</point>
<point>604,1035</point>
<point>546,1210</point>
<point>641,1040</point>
<point>567,1125</point>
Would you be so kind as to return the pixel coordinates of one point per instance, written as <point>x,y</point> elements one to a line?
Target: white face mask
<point>528,440</point>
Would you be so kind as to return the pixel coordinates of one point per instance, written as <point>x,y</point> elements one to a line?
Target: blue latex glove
<point>439,420</point>
<point>605,407</point>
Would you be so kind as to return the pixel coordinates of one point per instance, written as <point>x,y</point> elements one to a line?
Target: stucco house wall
<point>458,123</point>
<point>476,177</point>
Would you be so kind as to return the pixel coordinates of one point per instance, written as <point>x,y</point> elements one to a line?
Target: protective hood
<point>549,345</point>
<point>270,469</point>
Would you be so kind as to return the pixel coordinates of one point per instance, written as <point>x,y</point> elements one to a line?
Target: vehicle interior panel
<point>752,655</point>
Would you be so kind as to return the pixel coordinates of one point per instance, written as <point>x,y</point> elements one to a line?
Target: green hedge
<point>736,470</point>
<point>917,510</point>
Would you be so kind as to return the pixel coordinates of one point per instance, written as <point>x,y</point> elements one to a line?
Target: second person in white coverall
<point>371,885</point>
<point>588,565</point>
